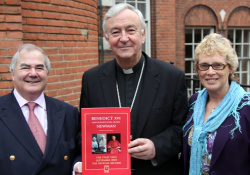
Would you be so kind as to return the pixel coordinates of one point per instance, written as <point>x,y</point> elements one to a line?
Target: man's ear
<point>106,37</point>
<point>143,36</point>
<point>12,75</point>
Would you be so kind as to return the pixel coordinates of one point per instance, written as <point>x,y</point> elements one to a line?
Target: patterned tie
<point>36,127</point>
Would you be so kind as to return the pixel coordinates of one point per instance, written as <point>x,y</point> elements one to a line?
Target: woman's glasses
<point>215,66</point>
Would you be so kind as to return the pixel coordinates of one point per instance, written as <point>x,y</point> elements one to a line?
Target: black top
<point>127,83</point>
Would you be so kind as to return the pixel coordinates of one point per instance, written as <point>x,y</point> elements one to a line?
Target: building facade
<point>175,27</point>
<point>70,33</point>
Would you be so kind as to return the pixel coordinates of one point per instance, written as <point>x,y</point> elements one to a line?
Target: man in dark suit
<point>154,90</point>
<point>38,134</point>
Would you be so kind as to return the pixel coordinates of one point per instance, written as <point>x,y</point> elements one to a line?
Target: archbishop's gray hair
<point>116,9</point>
<point>28,47</point>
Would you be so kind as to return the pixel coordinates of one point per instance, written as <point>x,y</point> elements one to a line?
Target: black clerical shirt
<point>127,83</point>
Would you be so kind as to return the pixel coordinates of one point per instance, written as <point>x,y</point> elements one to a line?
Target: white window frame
<point>241,55</point>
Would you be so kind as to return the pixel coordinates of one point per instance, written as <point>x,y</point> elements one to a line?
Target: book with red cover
<point>105,139</point>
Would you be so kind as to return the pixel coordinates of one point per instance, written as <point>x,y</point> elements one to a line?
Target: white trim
<point>244,60</point>
<point>148,28</point>
<point>108,2</point>
<point>105,44</point>
<point>222,15</point>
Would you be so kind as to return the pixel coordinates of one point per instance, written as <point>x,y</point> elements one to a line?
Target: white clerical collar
<point>128,71</point>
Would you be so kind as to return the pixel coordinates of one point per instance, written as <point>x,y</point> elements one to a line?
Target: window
<point>240,39</point>
<point>193,36</point>
<point>144,7</point>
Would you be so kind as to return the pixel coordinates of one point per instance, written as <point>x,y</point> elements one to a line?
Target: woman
<point>94,145</point>
<point>217,132</point>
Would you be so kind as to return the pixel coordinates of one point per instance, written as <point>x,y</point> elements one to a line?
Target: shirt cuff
<point>74,168</point>
<point>154,162</point>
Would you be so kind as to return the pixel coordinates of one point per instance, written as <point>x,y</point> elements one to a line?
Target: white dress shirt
<point>40,109</point>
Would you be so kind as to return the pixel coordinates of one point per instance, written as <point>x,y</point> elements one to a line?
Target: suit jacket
<point>230,156</point>
<point>161,113</point>
<point>16,139</point>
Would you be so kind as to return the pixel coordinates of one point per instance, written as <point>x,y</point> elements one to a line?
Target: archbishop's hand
<point>142,149</point>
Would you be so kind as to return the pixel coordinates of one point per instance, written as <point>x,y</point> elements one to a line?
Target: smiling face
<point>216,81</point>
<point>125,37</point>
<point>30,75</point>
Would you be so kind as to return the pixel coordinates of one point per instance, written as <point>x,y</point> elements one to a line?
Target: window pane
<point>246,36</point>
<point>231,35</point>
<point>141,0</point>
<point>188,82</point>
<point>238,50</point>
<point>144,47</point>
<point>142,8</point>
<point>238,36</point>
<point>246,51</point>
<point>188,67</point>
<point>243,78</point>
<point>206,32</point>
<point>132,3</point>
<point>188,36</point>
<point>244,65</point>
<point>197,36</point>
<point>244,71</point>
<point>195,46</point>
<point>188,51</point>
<point>196,84</point>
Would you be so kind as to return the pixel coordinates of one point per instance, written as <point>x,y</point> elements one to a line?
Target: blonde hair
<point>216,43</point>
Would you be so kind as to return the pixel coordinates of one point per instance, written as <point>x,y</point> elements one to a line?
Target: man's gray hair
<point>116,9</point>
<point>28,47</point>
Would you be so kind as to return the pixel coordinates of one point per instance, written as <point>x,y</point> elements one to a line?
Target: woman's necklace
<point>212,110</point>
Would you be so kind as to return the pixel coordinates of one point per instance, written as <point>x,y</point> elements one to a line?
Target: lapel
<point>149,91</point>
<point>12,116</point>
<point>108,83</point>
<point>150,87</point>
<point>55,117</point>
<point>222,137</point>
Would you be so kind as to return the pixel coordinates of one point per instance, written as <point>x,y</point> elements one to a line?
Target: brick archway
<point>240,17</point>
<point>200,15</point>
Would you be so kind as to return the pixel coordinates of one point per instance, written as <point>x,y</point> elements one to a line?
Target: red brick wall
<point>163,30</point>
<point>66,30</point>
<point>10,36</point>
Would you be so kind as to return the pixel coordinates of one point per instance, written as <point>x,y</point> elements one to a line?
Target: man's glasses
<point>215,66</point>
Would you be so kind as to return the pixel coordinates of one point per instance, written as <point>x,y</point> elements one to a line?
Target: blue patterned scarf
<point>228,106</point>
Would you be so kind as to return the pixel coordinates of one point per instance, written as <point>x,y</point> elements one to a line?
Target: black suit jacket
<point>16,139</point>
<point>162,109</point>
